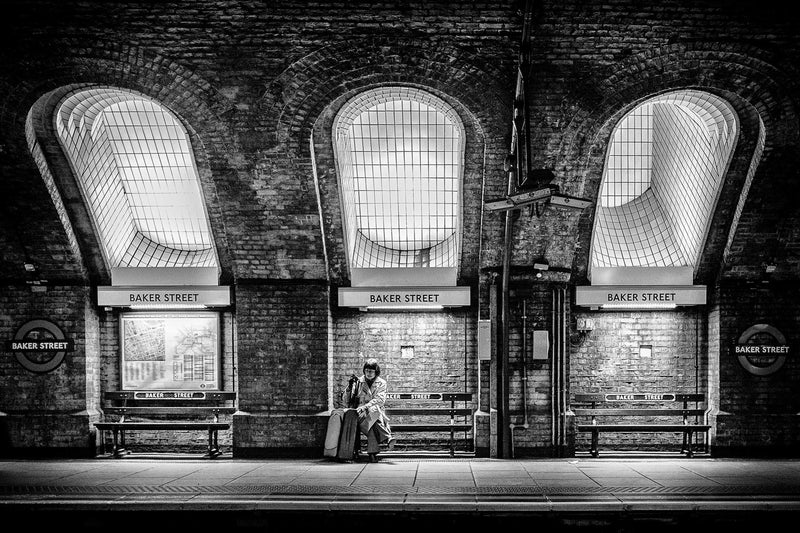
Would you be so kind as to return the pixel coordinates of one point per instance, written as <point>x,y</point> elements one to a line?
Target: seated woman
<point>369,391</point>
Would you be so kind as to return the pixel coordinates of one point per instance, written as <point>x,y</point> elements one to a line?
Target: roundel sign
<point>762,349</point>
<point>40,346</point>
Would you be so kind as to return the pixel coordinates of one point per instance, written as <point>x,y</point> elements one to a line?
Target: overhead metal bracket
<point>548,194</point>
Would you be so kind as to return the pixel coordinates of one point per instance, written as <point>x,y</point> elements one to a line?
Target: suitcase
<point>333,433</point>
<point>348,435</point>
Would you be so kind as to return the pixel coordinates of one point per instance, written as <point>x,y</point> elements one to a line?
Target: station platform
<point>401,493</point>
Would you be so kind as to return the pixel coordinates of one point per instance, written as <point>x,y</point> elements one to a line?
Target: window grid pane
<point>661,181</point>
<point>399,156</point>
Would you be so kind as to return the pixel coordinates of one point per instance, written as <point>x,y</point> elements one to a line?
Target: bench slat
<point>427,411</point>
<point>642,428</point>
<point>193,410</point>
<point>637,412</point>
<point>431,396</point>
<point>430,427</point>
<point>601,397</point>
<point>162,425</point>
<point>170,396</point>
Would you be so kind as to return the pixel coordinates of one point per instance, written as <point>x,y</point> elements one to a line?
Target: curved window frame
<point>656,204</point>
<point>134,165</point>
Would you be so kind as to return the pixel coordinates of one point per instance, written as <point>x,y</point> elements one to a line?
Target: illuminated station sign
<point>641,297</point>
<point>177,296</point>
<point>403,297</point>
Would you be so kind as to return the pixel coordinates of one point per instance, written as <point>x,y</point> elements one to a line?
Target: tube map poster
<point>170,351</point>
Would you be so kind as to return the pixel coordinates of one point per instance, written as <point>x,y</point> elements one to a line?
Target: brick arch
<point>299,95</point>
<point>741,75</point>
<point>190,97</point>
<point>303,101</point>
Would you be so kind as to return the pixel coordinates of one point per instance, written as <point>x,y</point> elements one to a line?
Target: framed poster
<point>170,351</point>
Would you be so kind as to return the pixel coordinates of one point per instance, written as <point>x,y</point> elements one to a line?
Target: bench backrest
<point>442,396</point>
<point>157,403</point>
<point>430,402</point>
<point>644,397</point>
<point>189,396</point>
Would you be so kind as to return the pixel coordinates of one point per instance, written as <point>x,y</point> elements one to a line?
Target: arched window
<point>399,157</point>
<point>661,181</point>
<point>135,169</point>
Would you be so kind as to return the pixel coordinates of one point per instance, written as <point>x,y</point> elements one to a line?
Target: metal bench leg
<point>688,438</point>
<point>119,442</point>
<point>210,452</point>
<point>595,441</point>
<point>452,428</point>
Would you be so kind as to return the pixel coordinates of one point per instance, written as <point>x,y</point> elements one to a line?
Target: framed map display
<point>170,351</point>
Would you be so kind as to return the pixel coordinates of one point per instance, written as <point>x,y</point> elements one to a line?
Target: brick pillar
<point>282,352</point>
<point>49,412</point>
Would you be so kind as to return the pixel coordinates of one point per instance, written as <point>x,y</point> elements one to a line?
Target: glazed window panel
<point>398,149</point>
<point>133,163</point>
<point>663,174</point>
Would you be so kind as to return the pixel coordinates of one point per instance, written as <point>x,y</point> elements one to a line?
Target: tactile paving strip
<point>379,489</point>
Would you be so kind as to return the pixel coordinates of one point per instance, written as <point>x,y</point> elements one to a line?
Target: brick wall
<point>607,360</point>
<point>281,343</point>
<point>256,85</point>
<point>418,352</point>
<point>108,369</point>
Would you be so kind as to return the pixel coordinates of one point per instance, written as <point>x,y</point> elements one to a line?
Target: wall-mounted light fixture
<point>386,308</point>
<point>635,306</point>
<point>164,307</point>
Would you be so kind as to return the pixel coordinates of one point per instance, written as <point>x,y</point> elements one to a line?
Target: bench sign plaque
<point>761,350</point>
<point>40,346</point>
<point>414,395</point>
<point>640,397</point>
<point>169,395</point>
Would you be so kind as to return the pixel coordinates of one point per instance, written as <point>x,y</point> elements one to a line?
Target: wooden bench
<point>438,419</point>
<point>153,406</point>
<point>647,418</point>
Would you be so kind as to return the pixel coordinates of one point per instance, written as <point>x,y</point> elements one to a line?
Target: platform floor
<point>402,493</point>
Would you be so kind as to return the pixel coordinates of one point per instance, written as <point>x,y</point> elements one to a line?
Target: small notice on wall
<point>541,344</point>
<point>484,340</point>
